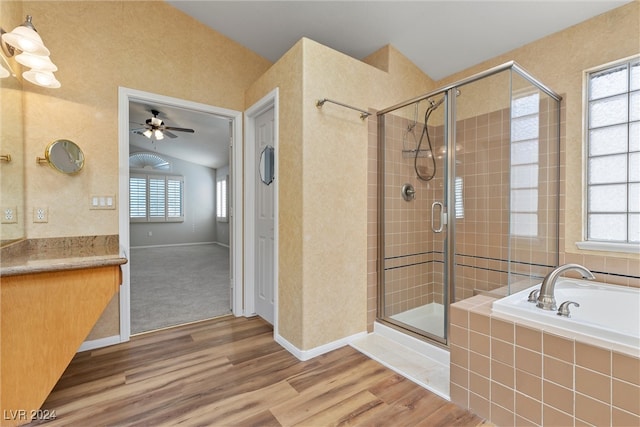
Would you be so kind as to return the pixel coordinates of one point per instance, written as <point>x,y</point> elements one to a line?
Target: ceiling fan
<point>154,128</point>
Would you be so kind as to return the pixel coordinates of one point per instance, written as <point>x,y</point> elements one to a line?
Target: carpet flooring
<point>178,284</point>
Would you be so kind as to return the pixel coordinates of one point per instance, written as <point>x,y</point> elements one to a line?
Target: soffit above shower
<point>441,37</point>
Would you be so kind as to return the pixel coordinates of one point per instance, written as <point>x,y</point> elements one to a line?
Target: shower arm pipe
<point>478,76</point>
<point>363,114</point>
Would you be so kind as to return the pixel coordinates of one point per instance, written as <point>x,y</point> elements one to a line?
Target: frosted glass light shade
<point>42,78</point>
<point>38,62</point>
<point>26,40</point>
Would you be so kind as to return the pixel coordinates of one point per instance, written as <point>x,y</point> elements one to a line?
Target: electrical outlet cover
<point>40,215</point>
<point>9,215</point>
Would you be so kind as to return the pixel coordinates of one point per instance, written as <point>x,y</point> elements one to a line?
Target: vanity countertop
<point>57,254</point>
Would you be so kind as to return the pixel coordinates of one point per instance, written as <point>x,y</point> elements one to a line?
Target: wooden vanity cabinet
<point>45,318</point>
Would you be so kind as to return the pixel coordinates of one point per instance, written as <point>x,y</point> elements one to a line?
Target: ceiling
<point>207,146</point>
<point>441,37</point>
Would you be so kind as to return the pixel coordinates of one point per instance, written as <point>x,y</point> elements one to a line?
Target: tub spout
<point>546,299</point>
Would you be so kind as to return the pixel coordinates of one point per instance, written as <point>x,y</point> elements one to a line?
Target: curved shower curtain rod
<point>363,114</point>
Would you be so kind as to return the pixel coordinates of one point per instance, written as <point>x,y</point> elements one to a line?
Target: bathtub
<point>607,312</point>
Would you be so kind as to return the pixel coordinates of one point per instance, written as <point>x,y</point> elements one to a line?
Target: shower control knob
<point>408,192</point>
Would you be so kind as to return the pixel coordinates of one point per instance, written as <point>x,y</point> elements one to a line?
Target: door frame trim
<point>236,212</point>
<point>271,100</point>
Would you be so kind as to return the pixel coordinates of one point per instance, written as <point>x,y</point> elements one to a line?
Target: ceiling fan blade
<point>138,131</point>
<point>179,129</point>
<point>169,134</point>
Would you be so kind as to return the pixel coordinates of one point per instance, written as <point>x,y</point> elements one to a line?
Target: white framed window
<point>222,205</point>
<point>612,145</point>
<point>156,198</point>
<point>525,134</point>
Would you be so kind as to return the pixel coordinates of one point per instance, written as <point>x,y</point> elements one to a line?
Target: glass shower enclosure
<point>468,189</point>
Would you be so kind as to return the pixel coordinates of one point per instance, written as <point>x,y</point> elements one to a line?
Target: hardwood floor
<point>229,371</point>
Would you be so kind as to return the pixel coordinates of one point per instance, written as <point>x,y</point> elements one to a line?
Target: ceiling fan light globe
<point>158,134</point>
<point>147,133</point>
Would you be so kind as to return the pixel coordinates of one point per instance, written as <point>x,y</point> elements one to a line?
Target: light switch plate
<point>101,202</point>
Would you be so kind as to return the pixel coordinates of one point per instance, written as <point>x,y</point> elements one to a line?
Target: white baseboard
<point>99,343</point>
<point>174,244</point>
<point>317,351</point>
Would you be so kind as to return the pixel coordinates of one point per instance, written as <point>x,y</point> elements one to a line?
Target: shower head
<point>435,104</point>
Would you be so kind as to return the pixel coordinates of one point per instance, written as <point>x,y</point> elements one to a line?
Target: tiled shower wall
<point>489,253</point>
<point>487,258</point>
<point>413,258</point>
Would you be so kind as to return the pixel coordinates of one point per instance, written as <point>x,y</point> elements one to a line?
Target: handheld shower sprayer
<point>421,172</point>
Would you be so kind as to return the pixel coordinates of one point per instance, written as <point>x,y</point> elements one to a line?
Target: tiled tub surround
<point>514,373</point>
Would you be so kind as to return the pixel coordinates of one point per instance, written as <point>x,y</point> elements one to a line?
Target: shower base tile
<point>411,364</point>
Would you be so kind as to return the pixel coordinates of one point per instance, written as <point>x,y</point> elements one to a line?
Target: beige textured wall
<point>559,61</point>
<point>286,75</point>
<point>322,178</point>
<point>334,196</point>
<point>99,46</point>
<point>11,133</point>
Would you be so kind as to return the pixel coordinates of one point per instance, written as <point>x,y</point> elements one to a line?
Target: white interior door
<point>264,226</point>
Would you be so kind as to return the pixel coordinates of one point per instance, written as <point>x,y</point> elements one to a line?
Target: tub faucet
<point>546,299</point>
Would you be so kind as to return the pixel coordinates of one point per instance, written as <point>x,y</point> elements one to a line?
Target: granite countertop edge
<point>60,254</point>
<point>61,264</point>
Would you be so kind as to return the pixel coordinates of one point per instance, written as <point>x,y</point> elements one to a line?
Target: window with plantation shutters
<point>174,198</point>
<point>137,198</point>
<point>458,195</point>
<point>156,198</point>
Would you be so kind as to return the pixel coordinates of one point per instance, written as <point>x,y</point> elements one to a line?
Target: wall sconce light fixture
<point>35,54</point>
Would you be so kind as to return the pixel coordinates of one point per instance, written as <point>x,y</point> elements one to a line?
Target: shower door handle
<point>433,215</point>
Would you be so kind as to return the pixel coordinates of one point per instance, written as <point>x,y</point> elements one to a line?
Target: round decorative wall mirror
<point>267,165</point>
<point>64,156</point>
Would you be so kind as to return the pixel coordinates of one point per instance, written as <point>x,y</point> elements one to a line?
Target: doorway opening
<point>179,179</point>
